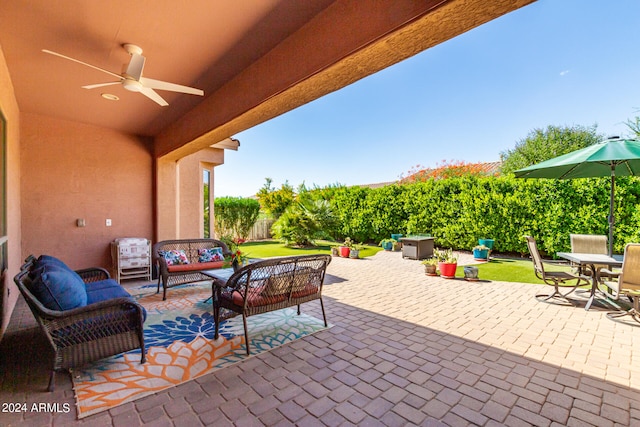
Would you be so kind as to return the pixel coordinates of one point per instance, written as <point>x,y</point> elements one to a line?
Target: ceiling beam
<point>346,42</point>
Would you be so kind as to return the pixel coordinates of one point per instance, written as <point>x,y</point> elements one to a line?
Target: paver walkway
<point>405,349</point>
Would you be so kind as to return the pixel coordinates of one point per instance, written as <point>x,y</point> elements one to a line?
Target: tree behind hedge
<point>544,144</point>
<point>275,202</point>
<point>235,216</point>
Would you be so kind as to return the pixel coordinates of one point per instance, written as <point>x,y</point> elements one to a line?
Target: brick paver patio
<point>405,349</point>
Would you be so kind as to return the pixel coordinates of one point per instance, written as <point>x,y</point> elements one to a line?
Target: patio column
<point>167,206</point>
<point>180,193</point>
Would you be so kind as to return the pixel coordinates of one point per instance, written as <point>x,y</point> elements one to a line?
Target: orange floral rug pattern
<point>180,347</point>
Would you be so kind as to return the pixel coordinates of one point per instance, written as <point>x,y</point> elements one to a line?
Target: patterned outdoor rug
<point>178,336</point>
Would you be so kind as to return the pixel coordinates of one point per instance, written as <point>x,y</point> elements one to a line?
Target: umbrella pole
<point>611,202</point>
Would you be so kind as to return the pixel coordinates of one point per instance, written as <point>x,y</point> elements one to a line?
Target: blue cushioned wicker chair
<point>85,315</point>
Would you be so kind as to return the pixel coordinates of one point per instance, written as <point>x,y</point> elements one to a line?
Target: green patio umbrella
<point>611,157</point>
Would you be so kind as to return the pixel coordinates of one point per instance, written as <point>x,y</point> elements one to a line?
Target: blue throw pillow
<point>58,288</point>
<point>50,260</point>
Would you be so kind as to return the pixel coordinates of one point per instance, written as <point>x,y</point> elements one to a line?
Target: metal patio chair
<point>557,279</point>
<point>628,283</point>
<point>591,244</point>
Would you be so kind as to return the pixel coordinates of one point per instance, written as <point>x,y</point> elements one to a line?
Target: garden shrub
<point>303,222</point>
<point>458,211</point>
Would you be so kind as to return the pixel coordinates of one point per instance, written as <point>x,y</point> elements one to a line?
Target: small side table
<point>418,247</point>
<point>131,258</point>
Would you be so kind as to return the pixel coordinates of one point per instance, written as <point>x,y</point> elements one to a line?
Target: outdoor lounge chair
<point>557,279</point>
<point>628,283</point>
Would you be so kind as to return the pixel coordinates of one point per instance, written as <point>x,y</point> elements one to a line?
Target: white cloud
<point>564,73</point>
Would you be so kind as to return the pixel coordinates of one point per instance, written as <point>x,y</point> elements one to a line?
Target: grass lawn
<point>271,248</point>
<point>510,270</point>
<point>505,270</point>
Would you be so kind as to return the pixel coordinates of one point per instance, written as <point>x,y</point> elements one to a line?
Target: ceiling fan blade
<point>136,64</point>
<point>100,85</point>
<point>83,63</point>
<point>158,84</point>
<point>151,94</point>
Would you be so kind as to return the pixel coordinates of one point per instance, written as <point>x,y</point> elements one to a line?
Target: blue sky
<point>554,62</point>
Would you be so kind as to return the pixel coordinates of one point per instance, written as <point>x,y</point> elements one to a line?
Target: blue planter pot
<point>481,254</point>
<point>387,246</point>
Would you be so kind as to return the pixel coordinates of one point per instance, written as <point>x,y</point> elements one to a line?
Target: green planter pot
<point>487,242</point>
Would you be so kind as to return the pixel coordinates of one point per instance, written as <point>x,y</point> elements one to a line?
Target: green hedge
<point>235,216</point>
<point>459,211</point>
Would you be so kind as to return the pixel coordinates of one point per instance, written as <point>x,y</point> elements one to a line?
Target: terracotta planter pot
<point>448,271</point>
<point>430,270</point>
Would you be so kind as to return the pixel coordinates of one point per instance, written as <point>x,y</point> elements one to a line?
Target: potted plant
<point>430,266</point>
<point>397,238</point>
<point>355,251</point>
<point>388,244</point>
<point>481,252</point>
<point>345,248</point>
<point>470,273</point>
<point>447,263</point>
<point>335,250</point>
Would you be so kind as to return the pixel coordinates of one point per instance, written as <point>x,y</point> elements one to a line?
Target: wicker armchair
<point>557,279</point>
<point>85,334</point>
<point>270,285</point>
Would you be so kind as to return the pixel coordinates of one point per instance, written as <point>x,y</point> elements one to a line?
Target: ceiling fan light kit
<point>110,96</point>
<point>131,79</point>
<point>132,85</point>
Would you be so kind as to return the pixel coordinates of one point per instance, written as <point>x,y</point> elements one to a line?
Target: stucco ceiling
<point>199,43</point>
<point>254,59</point>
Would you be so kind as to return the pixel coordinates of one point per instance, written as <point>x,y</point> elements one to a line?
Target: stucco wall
<point>71,171</point>
<point>9,109</point>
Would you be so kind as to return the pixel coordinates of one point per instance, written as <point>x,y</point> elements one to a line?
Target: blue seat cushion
<point>57,287</point>
<point>104,290</point>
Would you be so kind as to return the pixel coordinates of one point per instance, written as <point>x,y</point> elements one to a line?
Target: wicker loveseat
<point>182,261</point>
<point>269,285</point>
<point>85,315</point>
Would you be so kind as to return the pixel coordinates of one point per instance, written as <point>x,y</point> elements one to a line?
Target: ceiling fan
<point>132,79</point>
